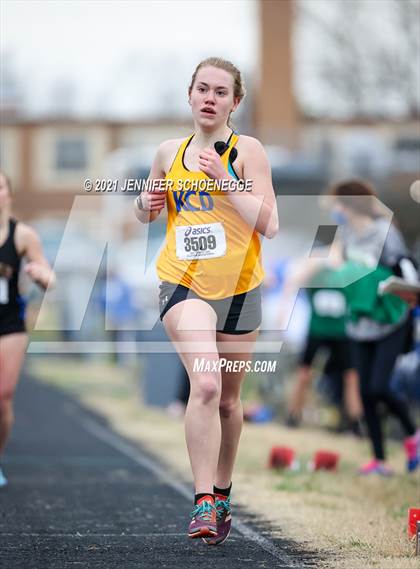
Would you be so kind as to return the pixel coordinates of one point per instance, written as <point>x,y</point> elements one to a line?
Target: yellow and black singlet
<point>209,247</point>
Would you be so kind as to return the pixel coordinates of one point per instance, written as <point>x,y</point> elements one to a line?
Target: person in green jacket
<point>372,249</point>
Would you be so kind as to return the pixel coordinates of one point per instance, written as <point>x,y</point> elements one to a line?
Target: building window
<point>407,154</point>
<point>71,153</point>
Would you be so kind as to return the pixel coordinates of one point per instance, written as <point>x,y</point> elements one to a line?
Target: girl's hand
<point>39,273</point>
<point>211,164</point>
<point>152,201</point>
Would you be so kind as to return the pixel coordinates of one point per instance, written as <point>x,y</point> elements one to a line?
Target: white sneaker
<point>3,479</point>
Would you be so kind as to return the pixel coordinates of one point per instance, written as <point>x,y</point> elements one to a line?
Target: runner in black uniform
<point>12,307</point>
<point>17,240</point>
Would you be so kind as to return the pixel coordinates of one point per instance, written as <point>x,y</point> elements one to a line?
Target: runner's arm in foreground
<point>152,203</point>
<point>258,207</point>
<point>37,268</point>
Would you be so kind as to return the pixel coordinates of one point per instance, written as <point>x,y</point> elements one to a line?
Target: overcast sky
<point>132,58</point>
<point>125,56</point>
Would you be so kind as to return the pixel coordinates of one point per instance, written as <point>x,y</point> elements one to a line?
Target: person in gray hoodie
<point>378,326</point>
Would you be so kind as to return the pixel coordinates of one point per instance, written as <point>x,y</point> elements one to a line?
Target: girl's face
<point>5,198</point>
<point>211,97</point>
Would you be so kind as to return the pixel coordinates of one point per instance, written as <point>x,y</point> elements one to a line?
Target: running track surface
<point>82,497</point>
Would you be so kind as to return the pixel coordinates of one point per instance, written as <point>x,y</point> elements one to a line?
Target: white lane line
<point>116,442</point>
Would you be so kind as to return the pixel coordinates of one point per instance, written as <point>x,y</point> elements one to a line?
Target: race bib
<point>330,303</point>
<point>4,291</point>
<point>206,241</point>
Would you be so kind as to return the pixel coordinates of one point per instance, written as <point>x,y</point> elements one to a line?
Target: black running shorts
<point>11,324</point>
<point>238,314</point>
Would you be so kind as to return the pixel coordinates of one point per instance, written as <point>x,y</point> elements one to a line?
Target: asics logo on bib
<point>182,201</point>
<point>197,231</point>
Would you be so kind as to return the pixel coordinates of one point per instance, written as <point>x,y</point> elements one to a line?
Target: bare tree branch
<point>366,68</point>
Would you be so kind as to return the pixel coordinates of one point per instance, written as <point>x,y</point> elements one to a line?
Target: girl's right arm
<point>148,205</point>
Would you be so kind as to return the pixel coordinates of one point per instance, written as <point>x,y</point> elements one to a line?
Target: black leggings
<point>375,362</point>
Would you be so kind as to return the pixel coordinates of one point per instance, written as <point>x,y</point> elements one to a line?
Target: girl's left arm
<point>37,268</point>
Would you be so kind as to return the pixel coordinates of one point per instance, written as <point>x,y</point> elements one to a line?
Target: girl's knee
<point>228,406</point>
<point>206,388</point>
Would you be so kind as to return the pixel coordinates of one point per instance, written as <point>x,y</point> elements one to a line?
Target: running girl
<point>17,240</point>
<point>211,272</point>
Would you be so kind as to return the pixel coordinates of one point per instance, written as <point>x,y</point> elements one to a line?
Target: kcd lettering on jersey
<point>184,201</point>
